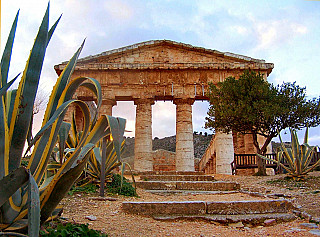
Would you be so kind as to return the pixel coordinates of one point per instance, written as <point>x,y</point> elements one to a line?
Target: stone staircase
<point>188,182</point>
<point>175,184</point>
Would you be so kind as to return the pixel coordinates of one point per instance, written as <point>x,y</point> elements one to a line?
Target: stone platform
<point>188,184</point>
<point>224,212</point>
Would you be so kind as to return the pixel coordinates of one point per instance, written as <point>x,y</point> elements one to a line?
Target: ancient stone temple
<point>168,71</point>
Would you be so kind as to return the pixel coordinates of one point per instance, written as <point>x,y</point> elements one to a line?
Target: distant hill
<point>200,142</point>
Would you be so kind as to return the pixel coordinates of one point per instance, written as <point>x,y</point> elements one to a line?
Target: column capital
<point>109,102</point>
<point>144,101</point>
<point>179,101</point>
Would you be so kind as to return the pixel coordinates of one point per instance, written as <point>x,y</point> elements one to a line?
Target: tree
<point>251,105</point>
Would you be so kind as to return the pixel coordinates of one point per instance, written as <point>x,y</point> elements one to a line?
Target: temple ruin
<point>168,71</point>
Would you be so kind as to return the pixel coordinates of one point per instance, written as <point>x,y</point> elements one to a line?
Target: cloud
<point>274,33</point>
<point>118,10</point>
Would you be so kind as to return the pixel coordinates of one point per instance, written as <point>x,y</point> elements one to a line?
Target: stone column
<point>224,152</point>
<point>184,137</point>
<point>106,107</point>
<point>143,135</point>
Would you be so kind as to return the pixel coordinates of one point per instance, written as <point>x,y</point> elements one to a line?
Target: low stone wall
<point>163,160</point>
<point>244,172</point>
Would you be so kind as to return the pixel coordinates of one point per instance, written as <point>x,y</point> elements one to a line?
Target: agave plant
<point>20,204</point>
<point>67,141</point>
<point>295,159</point>
<point>96,163</point>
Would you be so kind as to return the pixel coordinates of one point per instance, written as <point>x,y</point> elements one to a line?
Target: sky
<point>286,33</point>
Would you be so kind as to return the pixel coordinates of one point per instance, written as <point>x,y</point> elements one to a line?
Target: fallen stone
<point>269,222</point>
<point>293,229</point>
<point>315,232</point>
<point>296,212</point>
<point>305,216</point>
<point>315,220</point>
<point>309,225</point>
<point>103,199</point>
<point>91,218</point>
<point>236,225</point>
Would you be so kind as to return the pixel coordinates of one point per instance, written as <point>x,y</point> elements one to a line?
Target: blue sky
<point>286,33</point>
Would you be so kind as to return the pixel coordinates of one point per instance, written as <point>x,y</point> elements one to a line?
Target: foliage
<point>21,202</point>
<point>120,185</point>
<point>295,159</point>
<point>71,229</point>
<point>251,105</point>
<point>93,168</point>
<point>88,188</point>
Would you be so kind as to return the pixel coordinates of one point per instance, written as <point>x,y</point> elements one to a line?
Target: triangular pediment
<point>166,54</point>
<point>165,51</point>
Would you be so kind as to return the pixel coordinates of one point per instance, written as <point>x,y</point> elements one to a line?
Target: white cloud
<point>119,10</point>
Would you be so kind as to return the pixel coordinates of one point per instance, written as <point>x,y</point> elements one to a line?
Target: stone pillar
<point>106,107</point>
<point>184,137</point>
<point>224,152</point>
<point>143,135</point>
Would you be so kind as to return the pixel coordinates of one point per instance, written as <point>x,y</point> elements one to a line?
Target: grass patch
<point>88,189</point>
<point>114,186</point>
<point>54,229</point>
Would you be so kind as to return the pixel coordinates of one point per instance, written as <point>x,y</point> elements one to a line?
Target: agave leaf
<point>6,57</point>
<point>4,144</point>
<point>275,161</point>
<point>62,184</point>
<point>11,96</point>
<point>52,29</point>
<point>11,183</point>
<point>117,129</point>
<point>306,135</point>
<point>295,150</point>
<point>23,107</point>
<point>312,167</point>
<point>4,89</point>
<point>60,85</point>
<point>286,153</point>
<point>43,148</point>
<point>33,207</point>
<point>95,87</point>
<point>63,135</point>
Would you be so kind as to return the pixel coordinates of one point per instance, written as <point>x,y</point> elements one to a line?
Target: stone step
<point>176,178</point>
<point>171,173</point>
<point>188,185</point>
<point>209,207</point>
<point>254,219</point>
<point>189,192</point>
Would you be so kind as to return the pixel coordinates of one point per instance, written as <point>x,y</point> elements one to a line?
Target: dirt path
<point>112,220</point>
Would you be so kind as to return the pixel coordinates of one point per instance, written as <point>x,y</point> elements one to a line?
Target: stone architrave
<point>106,106</point>
<point>143,160</point>
<point>224,152</point>
<point>184,135</point>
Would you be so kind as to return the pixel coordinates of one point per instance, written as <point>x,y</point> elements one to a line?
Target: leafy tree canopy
<point>251,105</point>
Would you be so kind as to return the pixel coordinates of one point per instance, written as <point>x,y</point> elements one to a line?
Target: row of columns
<point>143,160</point>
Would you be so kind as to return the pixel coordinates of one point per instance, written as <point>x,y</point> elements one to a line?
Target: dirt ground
<point>112,220</point>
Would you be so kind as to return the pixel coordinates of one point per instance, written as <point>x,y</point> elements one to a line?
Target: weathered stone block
<point>249,207</point>
<point>162,208</point>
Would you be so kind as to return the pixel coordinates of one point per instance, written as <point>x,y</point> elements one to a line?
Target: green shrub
<point>115,186</point>
<point>71,229</point>
<point>88,188</point>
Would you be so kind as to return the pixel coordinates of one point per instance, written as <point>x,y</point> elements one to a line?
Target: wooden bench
<point>249,161</point>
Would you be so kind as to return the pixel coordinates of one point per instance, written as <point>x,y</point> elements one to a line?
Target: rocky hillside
<point>169,143</point>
